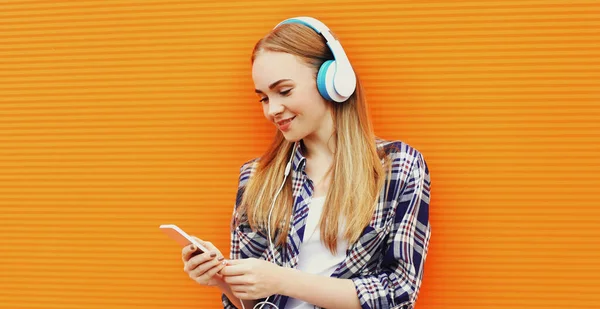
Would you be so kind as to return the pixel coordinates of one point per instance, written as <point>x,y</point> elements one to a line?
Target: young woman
<point>331,216</point>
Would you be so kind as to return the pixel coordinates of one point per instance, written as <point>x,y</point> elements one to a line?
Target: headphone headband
<point>336,80</point>
<point>312,23</point>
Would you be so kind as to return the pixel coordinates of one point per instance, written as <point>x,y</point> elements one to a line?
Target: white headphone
<point>336,79</point>
<point>288,168</point>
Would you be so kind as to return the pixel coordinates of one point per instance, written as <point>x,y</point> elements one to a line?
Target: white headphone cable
<point>288,167</point>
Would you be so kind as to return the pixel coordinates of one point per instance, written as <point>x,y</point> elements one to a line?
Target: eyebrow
<point>273,85</point>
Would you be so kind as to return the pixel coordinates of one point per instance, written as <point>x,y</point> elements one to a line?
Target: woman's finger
<point>208,245</point>
<point>204,267</point>
<point>240,293</point>
<point>188,252</point>
<point>198,260</point>
<point>235,280</point>
<point>185,251</point>
<point>234,270</point>
<point>213,271</point>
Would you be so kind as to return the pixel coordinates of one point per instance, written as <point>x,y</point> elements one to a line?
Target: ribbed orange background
<point>118,116</point>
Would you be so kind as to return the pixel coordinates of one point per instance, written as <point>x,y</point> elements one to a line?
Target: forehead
<point>269,67</point>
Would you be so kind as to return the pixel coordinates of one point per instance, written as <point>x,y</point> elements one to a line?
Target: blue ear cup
<point>325,81</point>
<point>322,79</point>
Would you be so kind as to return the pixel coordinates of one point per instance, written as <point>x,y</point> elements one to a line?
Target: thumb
<point>235,262</point>
<point>207,244</point>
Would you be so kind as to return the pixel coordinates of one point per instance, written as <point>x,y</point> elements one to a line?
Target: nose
<point>275,107</point>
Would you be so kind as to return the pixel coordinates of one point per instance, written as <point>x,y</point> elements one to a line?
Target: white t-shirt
<point>314,257</point>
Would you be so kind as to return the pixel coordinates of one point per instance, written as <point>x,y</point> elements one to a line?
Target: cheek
<point>265,108</point>
<point>316,107</point>
<point>309,103</point>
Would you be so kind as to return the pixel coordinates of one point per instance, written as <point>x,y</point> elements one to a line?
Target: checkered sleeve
<point>397,284</point>
<point>239,232</point>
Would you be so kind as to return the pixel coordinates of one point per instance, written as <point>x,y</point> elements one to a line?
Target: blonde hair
<point>357,170</point>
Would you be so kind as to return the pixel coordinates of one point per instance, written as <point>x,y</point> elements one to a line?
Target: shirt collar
<point>299,161</point>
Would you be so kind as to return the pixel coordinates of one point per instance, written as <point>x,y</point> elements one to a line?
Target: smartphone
<point>182,238</point>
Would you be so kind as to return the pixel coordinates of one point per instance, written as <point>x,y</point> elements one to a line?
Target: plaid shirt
<point>386,262</point>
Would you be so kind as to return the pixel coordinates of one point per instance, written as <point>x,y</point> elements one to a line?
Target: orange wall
<point>118,116</point>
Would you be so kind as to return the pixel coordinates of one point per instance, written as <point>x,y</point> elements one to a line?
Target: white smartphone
<point>182,238</point>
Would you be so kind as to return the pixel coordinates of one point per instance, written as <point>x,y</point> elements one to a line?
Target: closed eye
<point>283,93</point>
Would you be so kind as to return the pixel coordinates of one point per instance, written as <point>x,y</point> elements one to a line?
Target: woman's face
<point>287,90</point>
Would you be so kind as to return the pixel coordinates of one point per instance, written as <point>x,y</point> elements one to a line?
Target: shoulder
<point>408,172</point>
<point>246,170</point>
<point>406,164</point>
<point>399,152</point>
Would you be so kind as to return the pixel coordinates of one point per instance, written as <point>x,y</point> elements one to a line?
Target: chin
<point>291,137</point>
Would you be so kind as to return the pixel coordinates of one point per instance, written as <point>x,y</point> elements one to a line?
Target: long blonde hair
<point>357,170</point>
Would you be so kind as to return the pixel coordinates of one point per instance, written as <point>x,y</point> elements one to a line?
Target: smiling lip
<point>281,122</point>
<point>286,124</point>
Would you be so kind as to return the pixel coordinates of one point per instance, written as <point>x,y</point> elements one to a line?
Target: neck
<point>321,144</point>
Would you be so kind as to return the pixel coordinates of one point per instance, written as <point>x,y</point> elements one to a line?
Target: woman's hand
<point>252,278</point>
<point>203,268</point>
